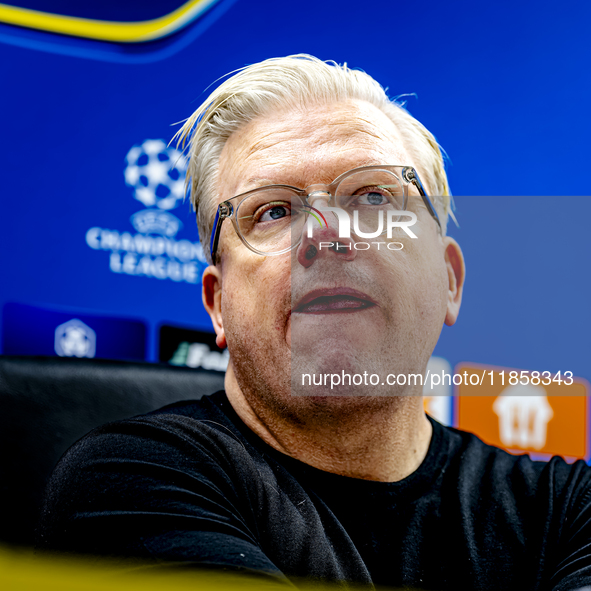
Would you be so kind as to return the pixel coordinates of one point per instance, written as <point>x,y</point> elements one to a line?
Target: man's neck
<point>372,438</point>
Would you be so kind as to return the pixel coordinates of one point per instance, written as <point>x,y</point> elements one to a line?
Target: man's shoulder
<point>471,448</point>
<point>196,428</point>
<point>166,458</point>
<point>478,465</point>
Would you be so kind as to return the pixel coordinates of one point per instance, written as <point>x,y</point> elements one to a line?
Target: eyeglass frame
<point>227,210</point>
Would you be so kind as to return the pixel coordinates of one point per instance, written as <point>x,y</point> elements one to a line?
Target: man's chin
<point>337,379</point>
<point>334,331</point>
<point>328,396</point>
<point>336,410</point>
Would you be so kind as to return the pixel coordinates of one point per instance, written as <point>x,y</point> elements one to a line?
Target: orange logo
<point>525,411</point>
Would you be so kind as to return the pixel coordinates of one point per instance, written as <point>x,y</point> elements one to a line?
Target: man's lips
<point>334,300</point>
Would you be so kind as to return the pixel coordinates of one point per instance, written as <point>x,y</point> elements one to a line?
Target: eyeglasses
<point>270,220</point>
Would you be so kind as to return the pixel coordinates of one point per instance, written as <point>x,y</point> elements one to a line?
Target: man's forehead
<point>311,144</point>
<point>317,124</point>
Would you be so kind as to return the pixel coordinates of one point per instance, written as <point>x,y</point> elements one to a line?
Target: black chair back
<point>48,403</point>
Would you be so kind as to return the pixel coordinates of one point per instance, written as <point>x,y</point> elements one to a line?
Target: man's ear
<point>456,273</point>
<point>212,300</point>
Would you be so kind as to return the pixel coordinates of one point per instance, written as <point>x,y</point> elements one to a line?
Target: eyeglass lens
<point>272,220</point>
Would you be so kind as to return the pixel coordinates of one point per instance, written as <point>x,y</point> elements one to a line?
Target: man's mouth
<point>334,301</point>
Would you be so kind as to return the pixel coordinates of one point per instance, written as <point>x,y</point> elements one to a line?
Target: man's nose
<point>325,240</point>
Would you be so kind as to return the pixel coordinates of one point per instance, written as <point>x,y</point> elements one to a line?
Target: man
<point>334,262</point>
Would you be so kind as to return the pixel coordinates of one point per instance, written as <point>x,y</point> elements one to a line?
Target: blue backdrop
<point>92,225</point>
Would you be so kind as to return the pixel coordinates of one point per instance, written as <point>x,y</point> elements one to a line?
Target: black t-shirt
<point>191,483</point>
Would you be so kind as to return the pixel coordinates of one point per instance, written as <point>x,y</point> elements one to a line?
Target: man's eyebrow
<point>256,182</point>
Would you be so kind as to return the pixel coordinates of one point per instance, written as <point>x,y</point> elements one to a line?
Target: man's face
<point>379,311</point>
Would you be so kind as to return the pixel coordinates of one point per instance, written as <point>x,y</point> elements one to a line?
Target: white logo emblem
<point>75,339</point>
<point>524,413</point>
<point>156,173</point>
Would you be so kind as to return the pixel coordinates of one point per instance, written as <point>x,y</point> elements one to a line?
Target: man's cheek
<point>288,333</point>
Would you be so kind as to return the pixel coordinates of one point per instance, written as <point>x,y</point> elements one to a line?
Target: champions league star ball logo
<point>75,339</point>
<point>156,173</point>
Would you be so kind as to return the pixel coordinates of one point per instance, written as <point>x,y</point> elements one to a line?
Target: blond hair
<point>292,81</point>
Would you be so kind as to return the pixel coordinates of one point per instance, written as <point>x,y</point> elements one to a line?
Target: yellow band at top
<point>123,32</point>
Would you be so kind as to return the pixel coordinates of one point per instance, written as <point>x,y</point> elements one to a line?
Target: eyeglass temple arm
<point>417,183</point>
<point>414,179</point>
<point>215,236</point>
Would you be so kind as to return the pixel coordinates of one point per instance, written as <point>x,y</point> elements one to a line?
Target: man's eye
<point>274,213</point>
<point>372,198</point>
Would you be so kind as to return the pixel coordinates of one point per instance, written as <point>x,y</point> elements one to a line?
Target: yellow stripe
<point>124,32</point>
<point>21,571</point>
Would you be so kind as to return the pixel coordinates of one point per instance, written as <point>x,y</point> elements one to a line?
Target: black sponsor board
<point>187,347</point>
